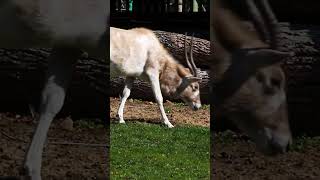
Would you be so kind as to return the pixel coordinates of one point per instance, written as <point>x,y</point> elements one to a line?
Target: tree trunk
<point>22,73</point>
<point>297,11</point>
<point>142,89</point>
<point>175,44</point>
<point>302,73</point>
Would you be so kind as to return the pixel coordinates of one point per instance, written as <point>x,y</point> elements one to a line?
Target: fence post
<point>195,6</point>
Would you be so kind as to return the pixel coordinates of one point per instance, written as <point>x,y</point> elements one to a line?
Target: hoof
<point>169,125</point>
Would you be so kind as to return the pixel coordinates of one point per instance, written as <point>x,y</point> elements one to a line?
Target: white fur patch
<point>197,105</point>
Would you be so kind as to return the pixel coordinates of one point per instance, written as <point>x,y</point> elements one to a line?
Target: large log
<point>297,11</point>
<point>22,73</point>
<point>303,76</point>
<point>175,44</point>
<point>142,89</point>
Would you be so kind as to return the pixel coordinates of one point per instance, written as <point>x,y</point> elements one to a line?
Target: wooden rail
<point>168,15</point>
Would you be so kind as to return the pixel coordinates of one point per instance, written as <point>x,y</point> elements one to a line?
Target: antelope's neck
<point>169,78</point>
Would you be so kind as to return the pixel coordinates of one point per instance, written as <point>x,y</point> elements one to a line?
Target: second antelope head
<point>249,84</point>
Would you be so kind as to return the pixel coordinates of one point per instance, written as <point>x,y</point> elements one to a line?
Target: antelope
<point>248,82</point>
<point>64,26</point>
<point>138,53</point>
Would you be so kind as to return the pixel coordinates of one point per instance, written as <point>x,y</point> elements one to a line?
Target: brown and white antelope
<point>67,26</point>
<point>138,53</point>
<point>248,82</point>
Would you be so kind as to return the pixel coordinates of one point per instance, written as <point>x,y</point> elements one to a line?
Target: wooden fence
<point>168,15</point>
<point>159,6</point>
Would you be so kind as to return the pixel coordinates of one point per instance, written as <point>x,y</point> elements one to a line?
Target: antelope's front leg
<point>58,76</point>
<point>155,85</point>
<point>125,94</point>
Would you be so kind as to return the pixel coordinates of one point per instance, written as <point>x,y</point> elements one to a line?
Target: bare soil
<point>147,111</point>
<point>60,161</point>
<point>237,158</point>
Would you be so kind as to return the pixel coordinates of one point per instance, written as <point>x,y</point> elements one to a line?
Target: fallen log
<point>22,73</point>
<point>302,12</point>
<point>175,44</point>
<point>142,89</point>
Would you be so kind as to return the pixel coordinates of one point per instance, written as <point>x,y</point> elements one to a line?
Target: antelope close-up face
<point>191,96</point>
<point>249,84</point>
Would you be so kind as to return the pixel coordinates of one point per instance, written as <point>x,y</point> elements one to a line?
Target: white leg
<point>125,94</point>
<point>155,85</point>
<point>58,77</point>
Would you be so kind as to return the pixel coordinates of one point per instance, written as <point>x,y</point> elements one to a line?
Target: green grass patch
<point>89,123</point>
<point>225,137</point>
<point>182,104</point>
<point>205,106</point>
<point>167,110</point>
<point>301,143</point>
<point>152,151</point>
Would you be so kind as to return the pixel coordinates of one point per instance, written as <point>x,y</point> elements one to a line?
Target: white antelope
<point>249,84</point>
<point>69,27</point>
<point>138,53</point>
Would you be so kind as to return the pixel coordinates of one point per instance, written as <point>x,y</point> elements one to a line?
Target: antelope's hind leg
<point>57,80</point>
<point>125,94</point>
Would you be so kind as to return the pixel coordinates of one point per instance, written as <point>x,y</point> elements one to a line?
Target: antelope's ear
<point>182,71</point>
<point>192,79</point>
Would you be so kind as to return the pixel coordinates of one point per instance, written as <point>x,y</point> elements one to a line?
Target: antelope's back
<point>45,23</point>
<point>130,49</point>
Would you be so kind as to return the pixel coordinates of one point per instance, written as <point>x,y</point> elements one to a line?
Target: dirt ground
<point>60,161</point>
<point>145,111</point>
<point>237,158</point>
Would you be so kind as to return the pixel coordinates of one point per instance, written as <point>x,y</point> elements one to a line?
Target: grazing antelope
<point>65,26</point>
<point>138,53</point>
<point>248,82</point>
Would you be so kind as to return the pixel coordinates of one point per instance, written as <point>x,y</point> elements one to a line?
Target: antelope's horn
<point>186,54</point>
<point>193,65</point>
<point>272,24</point>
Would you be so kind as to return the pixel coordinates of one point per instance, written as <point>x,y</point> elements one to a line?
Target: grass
<point>301,143</point>
<point>149,151</point>
<point>225,137</point>
<point>89,123</point>
<point>182,104</point>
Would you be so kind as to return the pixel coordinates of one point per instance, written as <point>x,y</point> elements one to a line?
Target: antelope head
<point>189,88</point>
<point>249,83</point>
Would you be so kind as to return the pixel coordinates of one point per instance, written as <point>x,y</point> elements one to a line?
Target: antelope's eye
<point>195,88</point>
<point>275,82</point>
